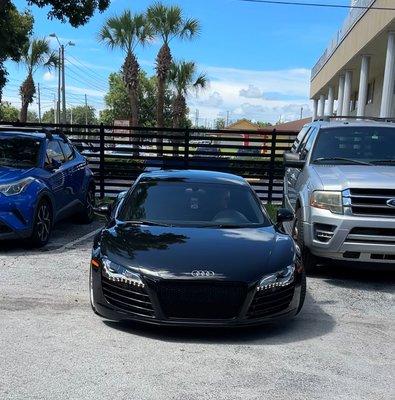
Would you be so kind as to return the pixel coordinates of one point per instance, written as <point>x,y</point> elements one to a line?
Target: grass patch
<point>272,211</point>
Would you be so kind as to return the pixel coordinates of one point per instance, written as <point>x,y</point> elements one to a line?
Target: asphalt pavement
<point>52,346</point>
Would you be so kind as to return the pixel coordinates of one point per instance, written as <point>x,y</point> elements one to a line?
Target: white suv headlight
<point>327,200</point>
<point>281,278</point>
<point>13,188</point>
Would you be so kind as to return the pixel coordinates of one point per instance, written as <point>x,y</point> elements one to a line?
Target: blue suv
<point>43,179</point>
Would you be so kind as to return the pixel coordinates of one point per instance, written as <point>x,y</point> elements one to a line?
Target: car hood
<point>243,254</point>
<point>9,174</point>
<point>342,177</point>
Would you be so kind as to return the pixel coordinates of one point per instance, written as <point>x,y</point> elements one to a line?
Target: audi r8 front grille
<point>270,301</point>
<point>201,300</point>
<point>131,299</point>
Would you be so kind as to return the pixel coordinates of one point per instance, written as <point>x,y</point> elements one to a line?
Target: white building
<point>355,76</point>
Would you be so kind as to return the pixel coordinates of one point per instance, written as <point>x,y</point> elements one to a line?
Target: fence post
<point>272,164</point>
<point>186,150</point>
<point>101,162</point>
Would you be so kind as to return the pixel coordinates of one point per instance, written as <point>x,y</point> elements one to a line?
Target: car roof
<point>193,176</point>
<point>336,123</point>
<point>33,134</point>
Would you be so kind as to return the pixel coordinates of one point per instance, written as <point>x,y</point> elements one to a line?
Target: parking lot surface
<point>52,346</point>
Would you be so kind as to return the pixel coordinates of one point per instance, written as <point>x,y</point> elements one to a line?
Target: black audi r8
<point>194,248</point>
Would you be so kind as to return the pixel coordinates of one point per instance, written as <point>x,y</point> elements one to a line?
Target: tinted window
<point>302,134</point>
<point>54,152</point>
<point>307,144</point>
<point>19,152</point>
<point>358,143</point>
<point>67,151</point>
<point>193,204</point>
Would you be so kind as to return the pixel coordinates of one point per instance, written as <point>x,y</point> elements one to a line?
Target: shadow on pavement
<point>311,322</point>
<point>368,278</point>
<point>64,232</point>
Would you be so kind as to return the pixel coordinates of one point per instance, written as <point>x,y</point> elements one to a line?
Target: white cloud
<point>252,92</point>
<point>49,76</point>
<point>289,91</point>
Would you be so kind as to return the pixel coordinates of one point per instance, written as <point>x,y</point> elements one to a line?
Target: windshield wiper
<point>388,161</point>
<point>349,160</point>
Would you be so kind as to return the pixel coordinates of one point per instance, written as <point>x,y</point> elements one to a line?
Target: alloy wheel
<point>43,222</point>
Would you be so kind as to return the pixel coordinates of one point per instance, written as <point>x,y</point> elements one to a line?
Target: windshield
<point>193,204</point>
<point>19,152</point>
<point>348,144</point>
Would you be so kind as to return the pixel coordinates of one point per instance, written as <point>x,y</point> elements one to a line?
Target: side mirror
<point>103,211</point>
<point>54,165</point>
<point>284,215</point>
<point>292,160</point>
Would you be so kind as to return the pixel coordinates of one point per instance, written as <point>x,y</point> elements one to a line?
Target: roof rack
<point>328,118</point>
<point>49,132</point>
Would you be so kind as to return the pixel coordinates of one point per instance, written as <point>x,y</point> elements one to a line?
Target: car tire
<point>309,260</point>
<point>87,214</point>
<point>303,288</point>
<point>42,224</point>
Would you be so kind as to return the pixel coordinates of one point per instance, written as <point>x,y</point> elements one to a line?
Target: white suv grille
<point>370,202</point>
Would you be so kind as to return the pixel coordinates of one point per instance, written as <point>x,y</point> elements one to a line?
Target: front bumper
<point>16,216</point>
<point>106,308</point>
<point>349,238</point>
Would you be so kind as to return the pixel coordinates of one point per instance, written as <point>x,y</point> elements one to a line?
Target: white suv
<point>340,182</point>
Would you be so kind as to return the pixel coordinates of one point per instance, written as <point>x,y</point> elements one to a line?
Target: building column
<point>347,93</point>
<point>321,106</point>
<point>389,78</point>
<point>340,96</point>
<point>363,86</point>
<point>315,109</point>
<point>331,101</point>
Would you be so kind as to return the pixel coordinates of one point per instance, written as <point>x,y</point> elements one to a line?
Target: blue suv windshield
<point>19,152</point>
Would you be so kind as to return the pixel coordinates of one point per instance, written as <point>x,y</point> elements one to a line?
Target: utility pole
<point>301,112</point>
<point>197,118</point>
<point>55,115</point>
<point>63,88</point>
<point>59,85</point>
<point>86,113</point>
<point>227,119</point>
<point>71,118</point>
<point>61,81</point>
<point>39,102</point>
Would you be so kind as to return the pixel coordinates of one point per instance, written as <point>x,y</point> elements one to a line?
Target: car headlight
<point>280,278</point>
<point>326,200</point>
<point>118,273</point>
<point>13,188</point>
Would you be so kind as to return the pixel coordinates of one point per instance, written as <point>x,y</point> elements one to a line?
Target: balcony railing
<point>354,16</point>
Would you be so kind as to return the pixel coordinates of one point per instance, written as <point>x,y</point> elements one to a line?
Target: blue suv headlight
<point>119,273</point>
<point>281,278</point>
<point>14,188</point>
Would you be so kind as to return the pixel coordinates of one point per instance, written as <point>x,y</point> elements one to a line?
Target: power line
<point>92,80</point>
<point>289,3</point>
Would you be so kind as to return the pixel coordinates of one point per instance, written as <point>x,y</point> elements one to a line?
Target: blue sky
<point>257,57</point>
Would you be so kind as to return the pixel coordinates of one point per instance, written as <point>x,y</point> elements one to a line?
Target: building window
<point>370,93</point>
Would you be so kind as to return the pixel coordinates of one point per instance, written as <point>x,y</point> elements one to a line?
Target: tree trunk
<point>163,63</point>
<point>130,71</point>
<point>26,91</point>
<point>179,110</point>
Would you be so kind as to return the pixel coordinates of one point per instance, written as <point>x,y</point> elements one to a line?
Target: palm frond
<point>191,28</point>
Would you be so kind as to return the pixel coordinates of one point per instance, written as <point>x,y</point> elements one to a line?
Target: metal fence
<point>118,154</point>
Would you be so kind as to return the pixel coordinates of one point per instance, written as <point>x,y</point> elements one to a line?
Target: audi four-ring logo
<point>202,273</point>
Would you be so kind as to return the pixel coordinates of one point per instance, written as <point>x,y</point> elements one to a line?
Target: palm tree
<point>183,78</point>
<point>126,32</point>
<point>168,23</point>
<point>36,54</point>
